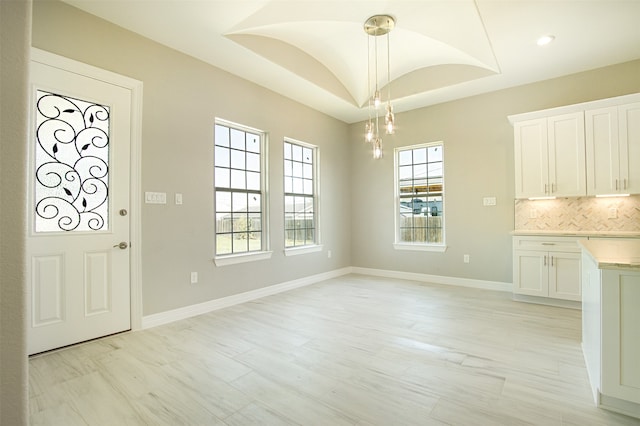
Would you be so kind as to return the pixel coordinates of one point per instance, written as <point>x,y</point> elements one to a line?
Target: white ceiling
<point>315,52</point>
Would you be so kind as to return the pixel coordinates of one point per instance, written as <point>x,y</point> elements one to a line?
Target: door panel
<point>565,276</point>
<point>530,270</point>
<point>80,179</point>
<point>602,150</point>
<point>48,289</point>
<point>629,116</point>
<point>567,155</point>
<point>97,283</point>
<point>531,158</point>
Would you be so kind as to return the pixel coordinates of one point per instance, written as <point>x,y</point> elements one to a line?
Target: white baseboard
<point>560,303</point>
<point>628,408</point>
<point>435,279</point>
<point>166,317</point>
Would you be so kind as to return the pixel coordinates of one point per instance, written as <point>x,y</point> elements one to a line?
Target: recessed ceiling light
<point>544,40</point>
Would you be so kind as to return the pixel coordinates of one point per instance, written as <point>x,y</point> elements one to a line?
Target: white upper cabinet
<point>591,148</point>
<point>613,150</point>
<point>566,155</point>
<point>629,134</point>
<point>531,158</point>
<point>550,156</point>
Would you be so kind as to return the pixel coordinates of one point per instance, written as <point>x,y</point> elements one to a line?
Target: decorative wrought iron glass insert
<point>71,184</point>
<point>420,192</point>
<point>238,190</point>
<point>299,195</point>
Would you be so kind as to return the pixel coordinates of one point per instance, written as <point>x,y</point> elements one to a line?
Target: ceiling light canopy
<point>375,26</point>
<point>545,39</point>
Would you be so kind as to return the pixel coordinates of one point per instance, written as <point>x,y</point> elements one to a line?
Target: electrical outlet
<point>465,258</point>
<point>194,278</point>
<point>533,213</point>
<point>329,254</point>
<point>613,213</point>
<point>178,198</point>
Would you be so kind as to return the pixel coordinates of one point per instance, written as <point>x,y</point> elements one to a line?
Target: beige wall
<point>15,38</point>
<point>182,97</point>
<point>478,151</point>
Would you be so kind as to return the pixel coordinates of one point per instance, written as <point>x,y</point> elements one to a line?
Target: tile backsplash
<point>579,214</point>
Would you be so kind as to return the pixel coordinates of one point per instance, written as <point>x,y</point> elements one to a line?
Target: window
<point>420,197</point>
<point>239,189</point>
<point>300,194</point>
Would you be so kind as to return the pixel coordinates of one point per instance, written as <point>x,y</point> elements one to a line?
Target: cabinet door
<point>621,334</point>
<point>603,167</point>
<point>530,273</point>
<point>564,276</point>
<point>531,158</point>
<point>629,135</point>
<point>566,155</point>
<point>591,320</point>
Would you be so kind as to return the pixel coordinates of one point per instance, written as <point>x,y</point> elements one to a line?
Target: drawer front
<point>566,244</point>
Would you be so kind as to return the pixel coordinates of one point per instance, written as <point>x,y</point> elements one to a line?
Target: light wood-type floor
<point>355,350</point>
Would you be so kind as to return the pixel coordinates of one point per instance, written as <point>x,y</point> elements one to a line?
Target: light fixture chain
<point>375,26</point>
<point>369,73</point>
<point>388,70</point>
<point>376,56</point>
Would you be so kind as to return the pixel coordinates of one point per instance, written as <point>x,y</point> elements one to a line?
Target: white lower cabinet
<point>547,267</point>
<point>611,335</point>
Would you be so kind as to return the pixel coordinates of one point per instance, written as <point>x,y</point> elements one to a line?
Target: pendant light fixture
<point>375,26</point>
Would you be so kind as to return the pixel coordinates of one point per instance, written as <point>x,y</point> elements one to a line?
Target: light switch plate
<point>613,213</point>
<point>178,198</point>
<point>489,201</point>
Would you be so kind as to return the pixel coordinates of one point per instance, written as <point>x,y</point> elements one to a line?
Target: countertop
<point>582,234</point>
<point>614,253</point>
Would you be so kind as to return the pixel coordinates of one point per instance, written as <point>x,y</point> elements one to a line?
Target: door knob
<point>122,245</point>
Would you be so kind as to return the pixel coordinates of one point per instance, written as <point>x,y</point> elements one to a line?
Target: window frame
<point>264,252</point>
<point>417,246</point>
<point>315,175</point>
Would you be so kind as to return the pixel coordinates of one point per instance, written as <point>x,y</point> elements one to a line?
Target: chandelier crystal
<point>375,26</point>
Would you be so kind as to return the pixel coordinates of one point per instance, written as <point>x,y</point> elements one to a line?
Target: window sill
<point>441,248</point>
<point>233,259</point>
<point>295,251</point>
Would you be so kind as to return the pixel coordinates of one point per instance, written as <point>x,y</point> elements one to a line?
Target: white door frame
<point>61,62</point>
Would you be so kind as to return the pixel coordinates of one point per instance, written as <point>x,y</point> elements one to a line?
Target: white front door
<point>78,255</point>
